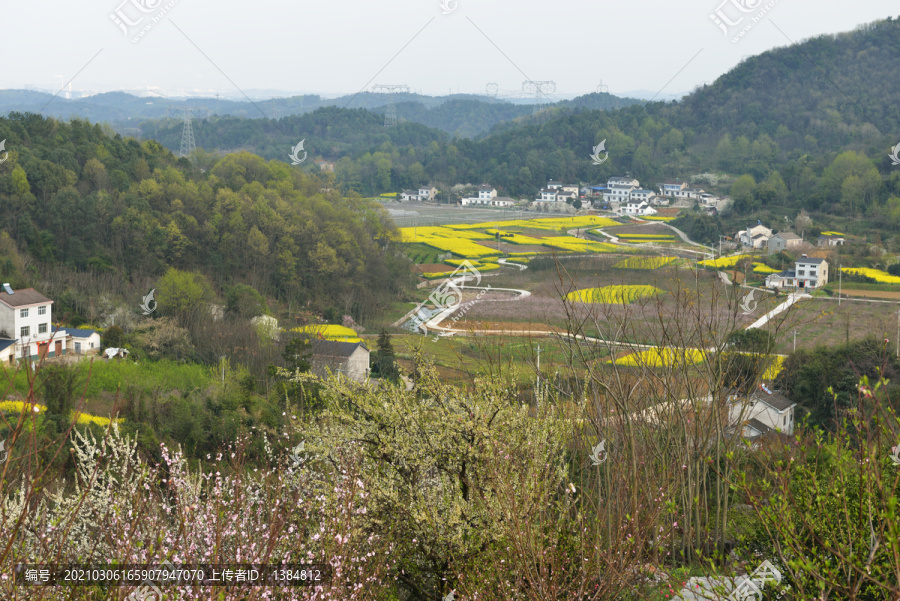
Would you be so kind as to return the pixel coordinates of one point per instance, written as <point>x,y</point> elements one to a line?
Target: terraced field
<point>615,294</point>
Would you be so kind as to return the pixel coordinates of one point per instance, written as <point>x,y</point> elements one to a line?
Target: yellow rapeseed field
<point>722,262</point>
<point>643,262</point>
<point>81,418</point>
<point>665,357</point>
<point>882,277</point>
<point>764,269</point>
<point>329,332</point>
<point>614,294</point>
<point>546,223</point>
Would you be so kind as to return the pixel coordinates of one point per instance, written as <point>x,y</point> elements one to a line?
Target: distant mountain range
<point>463,115</point>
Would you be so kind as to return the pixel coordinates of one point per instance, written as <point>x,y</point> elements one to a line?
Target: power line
<point>390,113</point>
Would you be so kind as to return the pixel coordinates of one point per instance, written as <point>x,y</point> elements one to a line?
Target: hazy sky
<point>341,47</point>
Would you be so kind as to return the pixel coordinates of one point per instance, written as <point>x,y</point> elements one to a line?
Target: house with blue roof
<point>82,342</point>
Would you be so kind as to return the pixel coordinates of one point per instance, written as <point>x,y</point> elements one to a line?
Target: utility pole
<point>840,283</point>
<point>898,333</point>
<point>539,350</point>
<point>795,337</point>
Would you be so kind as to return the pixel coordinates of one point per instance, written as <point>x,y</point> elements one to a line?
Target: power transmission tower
<point>492,89</point>
<point>390,113</point>
<point>540,89</point>
<point>187,131</point>
<point>602,88</point>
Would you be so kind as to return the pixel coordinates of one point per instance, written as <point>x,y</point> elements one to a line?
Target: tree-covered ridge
<point>73,193</point>
<point>809,125</point>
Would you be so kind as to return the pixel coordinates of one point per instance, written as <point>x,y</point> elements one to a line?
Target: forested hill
<point>809,125</point>
<point>72,194</point>
<point>464,115</point>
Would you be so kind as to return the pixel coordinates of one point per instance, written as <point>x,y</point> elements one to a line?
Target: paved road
<point>792,298</point>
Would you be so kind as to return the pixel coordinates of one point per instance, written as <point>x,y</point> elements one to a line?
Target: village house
<point>807,273</point>
<point>350,359</point>
<point>638,207</point>
<point>641,194</point>
<point>618,193</point>
<point>623,181</point>
<point>503,202</point>
<point>553,184</point>
<point>82,342</point>
<point>755,237</point>
<point>486,192</point>
<point>25,326</point>
<point>784,241</point>
<point>759,413</point>
<point>672,188</point>
<point>421,194</point>
<point>830,240</point>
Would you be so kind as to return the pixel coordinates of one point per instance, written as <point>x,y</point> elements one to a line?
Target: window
<point>801,272</point>
<point>23,312</point>
<point>42,310</point>
<point>42,328</point>
<point>25,332</point>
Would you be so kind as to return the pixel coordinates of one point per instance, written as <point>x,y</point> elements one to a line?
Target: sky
<point>267,48</point>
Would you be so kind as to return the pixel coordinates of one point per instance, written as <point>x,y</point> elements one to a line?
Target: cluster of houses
<point>626,192</point>
<point>808,272</point>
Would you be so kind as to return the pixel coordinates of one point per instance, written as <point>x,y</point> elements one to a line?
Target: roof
<point>757,236</point>
<point>788,236</point>
<point>24,298</point>
<point>776,400</point>
<point>331,348</point>
<point>674,183</point>
<point>641,190</point>
<point>758,426</point>
<point>5,343</point>
<point>621,179</point>
<point>812,260</point>
<point>80,333</point>
<point>485,187</point>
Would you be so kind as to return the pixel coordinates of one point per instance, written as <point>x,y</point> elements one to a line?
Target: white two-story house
<point>486,192</point>
<point>760,412</point>
<point>25,319</point>
<point>807,273</point>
